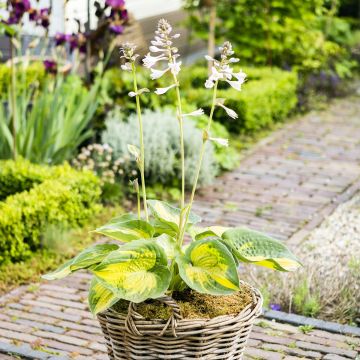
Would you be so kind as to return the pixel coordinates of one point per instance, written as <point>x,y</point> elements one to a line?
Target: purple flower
<point>61,39</point>
<point>44,18</point>
<point>275,307</point>
<point>33,15</point>
<point>116,28</point>
<point>50,66</point>
<point>13,19</point>
<point>115,4</point>
<point>77,41</point>
<point>20,6</point>
<point>124,15</point>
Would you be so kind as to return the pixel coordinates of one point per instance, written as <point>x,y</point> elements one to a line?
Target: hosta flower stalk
<point>162,46</point>
<point>129,55</point>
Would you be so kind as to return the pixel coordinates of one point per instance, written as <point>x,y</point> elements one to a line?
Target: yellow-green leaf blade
<point>208,267</point>
<point>255,247</point>
<point>136,271</point>
<point>126,228</point>
<point>169,215</point>
<point>100,298</point>
<point>89,257</point>
<point>211,231</point>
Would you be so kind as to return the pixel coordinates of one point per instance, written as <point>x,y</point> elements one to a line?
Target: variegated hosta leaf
<point>168,244</point>
<point>254,247</point>
<point>100,298</point>
<point>211,231</point>
<point>136,271</point>
<point>126,228</point>
<point>208,267</point>
<point>89,257</point>
<point>169,215</point>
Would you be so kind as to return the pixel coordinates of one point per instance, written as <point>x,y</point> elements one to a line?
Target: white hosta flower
<point>220,141</point>
<point>149,61</point>
<point>126,66</point>
<point>197,112</point>
<point>128,52</point>
<point>230,112</point>
<point>209,84</point>
<point>240,76</point>
<point>162,46</point>
<point>154,48</point>
<point>235,84</point>
<point>139,92</point>
<point>161,91</point>
<point>222,71</point>
<point>156,74</point>
<point>175,67</point>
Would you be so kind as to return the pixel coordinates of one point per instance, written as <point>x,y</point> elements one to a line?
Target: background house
<point>63,19</point>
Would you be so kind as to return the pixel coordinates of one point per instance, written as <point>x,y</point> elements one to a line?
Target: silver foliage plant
<point>162,147</point>
<point>155,261</point>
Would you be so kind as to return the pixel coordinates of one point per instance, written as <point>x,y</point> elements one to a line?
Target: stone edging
<point>299,320</point>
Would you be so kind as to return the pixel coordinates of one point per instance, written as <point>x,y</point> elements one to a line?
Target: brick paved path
<point>284,187</point>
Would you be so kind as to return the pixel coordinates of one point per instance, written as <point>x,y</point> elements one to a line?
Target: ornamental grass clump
<point>150,259</point>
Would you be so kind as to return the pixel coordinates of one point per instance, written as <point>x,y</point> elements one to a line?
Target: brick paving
<point>285,187</point>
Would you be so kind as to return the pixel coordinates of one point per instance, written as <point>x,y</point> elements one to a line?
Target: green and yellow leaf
<point>255,247</point>
<point>211,231</point>
<point>137,271</point>
<point>169,216</point>
<point>168,244</point>
<point>100,298</point>
<point>208,267</point>
<point>127,228</point>
<point>87,258</point>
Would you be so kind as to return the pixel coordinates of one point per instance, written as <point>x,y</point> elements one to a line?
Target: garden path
<point>285,187</point>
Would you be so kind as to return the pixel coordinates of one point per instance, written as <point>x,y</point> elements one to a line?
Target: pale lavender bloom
<point>127,52</point>
<point>163,50</point>
<point>221,70</point>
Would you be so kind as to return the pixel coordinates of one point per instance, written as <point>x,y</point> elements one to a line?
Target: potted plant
<point>159,296</point>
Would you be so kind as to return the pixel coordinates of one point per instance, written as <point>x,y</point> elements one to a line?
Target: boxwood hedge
<point>36,196</point>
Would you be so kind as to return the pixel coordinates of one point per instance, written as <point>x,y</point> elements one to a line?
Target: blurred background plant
<point>161,136</point>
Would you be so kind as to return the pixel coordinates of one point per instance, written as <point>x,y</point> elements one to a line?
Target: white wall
<point>78,9</point>
<point>140,8</point>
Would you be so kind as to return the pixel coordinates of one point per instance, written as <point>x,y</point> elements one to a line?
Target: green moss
<point>194,305</point>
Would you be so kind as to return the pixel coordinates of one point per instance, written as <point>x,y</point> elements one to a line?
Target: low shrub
<point>45,196</point>
<point>269,98</point>
<point>32,74</point>
<point>161,137</point>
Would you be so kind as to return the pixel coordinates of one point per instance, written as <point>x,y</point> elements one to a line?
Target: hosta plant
<point>151,255</point>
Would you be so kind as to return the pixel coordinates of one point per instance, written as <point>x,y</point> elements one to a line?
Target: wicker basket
<point>130,336</point>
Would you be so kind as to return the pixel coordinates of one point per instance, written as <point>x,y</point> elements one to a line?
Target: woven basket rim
<point>255,306</point>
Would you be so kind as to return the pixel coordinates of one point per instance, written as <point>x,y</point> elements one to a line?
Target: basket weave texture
<point>130,336</point>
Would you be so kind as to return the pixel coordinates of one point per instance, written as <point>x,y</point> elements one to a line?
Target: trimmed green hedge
<point>44,195</point>
<point>268,96</point>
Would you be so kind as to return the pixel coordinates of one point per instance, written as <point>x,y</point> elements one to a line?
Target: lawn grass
<point>54,254</point>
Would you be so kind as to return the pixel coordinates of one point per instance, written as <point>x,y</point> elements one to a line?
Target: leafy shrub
<point>269,97</point>
<point>161,137</point>
<point>34,74</point>
<point>304,35</point>
<point>264,102</point>
<point>46,195</point>
<point>52,123</point>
